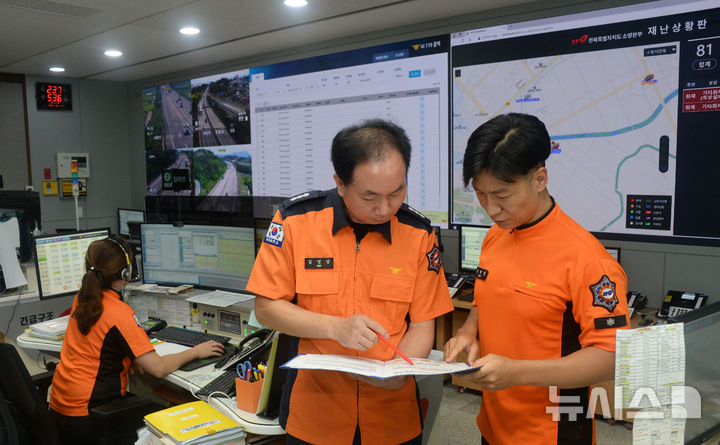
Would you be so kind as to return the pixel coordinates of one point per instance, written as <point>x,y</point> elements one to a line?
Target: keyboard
<point>457,280</point>
<point>199,363</point>
<point>187,337</point>
<point>224,383</point>
<point>468,296</point>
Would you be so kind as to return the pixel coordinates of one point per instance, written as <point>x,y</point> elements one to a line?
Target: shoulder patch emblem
<point>434,259</point>
<point>275,234</point>
<point>603,293</point>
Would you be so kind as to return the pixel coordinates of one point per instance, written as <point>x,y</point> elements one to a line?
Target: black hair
<point>103,261</point>
<point>368,141</point>
<point>507,146</point>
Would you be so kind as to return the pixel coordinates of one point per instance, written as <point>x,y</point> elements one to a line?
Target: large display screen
<point>206,256</point>
<point>60,261</point>
<point>631,99</point>
<point>201,125</point>
<point>299,106</point>
<point>267,131</point>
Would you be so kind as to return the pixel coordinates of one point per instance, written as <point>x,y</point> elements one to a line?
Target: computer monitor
<point>261,228</point>
<point>125,215</point>
<point>614,252</point>
<point>60,261</point>
<point>215,257</point>
<point>25,206</point>
<point>471,239</point>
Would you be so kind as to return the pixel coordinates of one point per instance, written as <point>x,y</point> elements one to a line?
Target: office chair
<point>25,417</point>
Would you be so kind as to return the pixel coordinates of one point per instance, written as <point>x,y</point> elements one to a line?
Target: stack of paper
<point>195,423</point>
<point>51,329</point>
<point>376,368</point>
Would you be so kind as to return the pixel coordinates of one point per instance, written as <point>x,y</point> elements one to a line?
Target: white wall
<point>98,125</point>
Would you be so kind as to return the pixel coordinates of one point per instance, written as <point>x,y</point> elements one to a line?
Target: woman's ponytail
<point>89,307</point>
<point>103,260</point>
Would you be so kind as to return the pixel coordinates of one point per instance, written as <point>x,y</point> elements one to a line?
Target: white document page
<point>649,362</point>
<point>663,430</point>
<point>375,368</point>
<point>220,298</point>
<point>165,347</point>
<point>9,241</point>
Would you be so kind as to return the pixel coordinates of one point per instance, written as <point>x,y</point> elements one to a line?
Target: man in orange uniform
<point>548,296</point>
<point>336,269</point>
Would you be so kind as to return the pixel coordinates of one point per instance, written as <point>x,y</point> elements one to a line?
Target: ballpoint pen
<point>394,348</point>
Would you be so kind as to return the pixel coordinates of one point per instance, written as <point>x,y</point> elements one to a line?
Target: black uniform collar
<point>340,218</point>
<point>117,292</point>
<point>530,224</point>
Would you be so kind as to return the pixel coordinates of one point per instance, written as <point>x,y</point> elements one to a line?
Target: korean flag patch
<point>604,294</point>
<point>275,234</point>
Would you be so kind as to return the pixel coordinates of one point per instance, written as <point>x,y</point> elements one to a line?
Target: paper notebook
<point>194,423</point>
<point>52,329</point>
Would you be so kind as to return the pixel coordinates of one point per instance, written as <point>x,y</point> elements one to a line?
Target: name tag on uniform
<point>610,322</point>
<point>318,263</point>
<point>482,273</point>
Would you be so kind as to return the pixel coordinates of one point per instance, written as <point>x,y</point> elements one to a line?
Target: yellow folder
<point>193,423</point>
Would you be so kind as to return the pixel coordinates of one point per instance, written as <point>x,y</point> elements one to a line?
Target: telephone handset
<point>636,300</point>
<point>153,325</point>
<point>679,302</point>
<point>263,341</point>
<point>455,281</point>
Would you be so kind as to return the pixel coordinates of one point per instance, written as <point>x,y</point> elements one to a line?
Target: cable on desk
<point>213,394</point>
<point>7,329</point>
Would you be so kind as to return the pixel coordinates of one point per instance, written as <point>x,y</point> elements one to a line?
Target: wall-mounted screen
<point>471,240</point>
<point>202,125</point>
<point>206,256</point>
<point>60,261</point>
<point>299,106</point>
<point>630,99</point>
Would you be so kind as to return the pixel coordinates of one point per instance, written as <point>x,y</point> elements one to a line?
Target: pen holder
<point>248,394</point>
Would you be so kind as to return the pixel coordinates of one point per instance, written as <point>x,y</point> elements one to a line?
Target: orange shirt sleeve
<point>598,292</point>
<point>431,296</point>
<point>133,333</point>
<point>273,273</point>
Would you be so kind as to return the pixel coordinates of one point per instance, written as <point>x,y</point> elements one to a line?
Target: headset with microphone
<point>126,272</point>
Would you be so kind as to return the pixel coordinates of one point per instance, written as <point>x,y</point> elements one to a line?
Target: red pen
<point>394,348</point>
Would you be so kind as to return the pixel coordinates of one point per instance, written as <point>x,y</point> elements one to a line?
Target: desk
<point>458,317</point>
<point>252,423</point>
<point>183,379</point>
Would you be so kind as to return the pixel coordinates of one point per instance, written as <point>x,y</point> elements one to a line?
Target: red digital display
<point>53,96</point>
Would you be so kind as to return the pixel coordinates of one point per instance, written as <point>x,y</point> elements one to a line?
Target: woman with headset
<point>103,339</point>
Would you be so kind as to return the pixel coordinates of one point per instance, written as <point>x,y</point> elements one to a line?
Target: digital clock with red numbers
<point>53,96</point>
